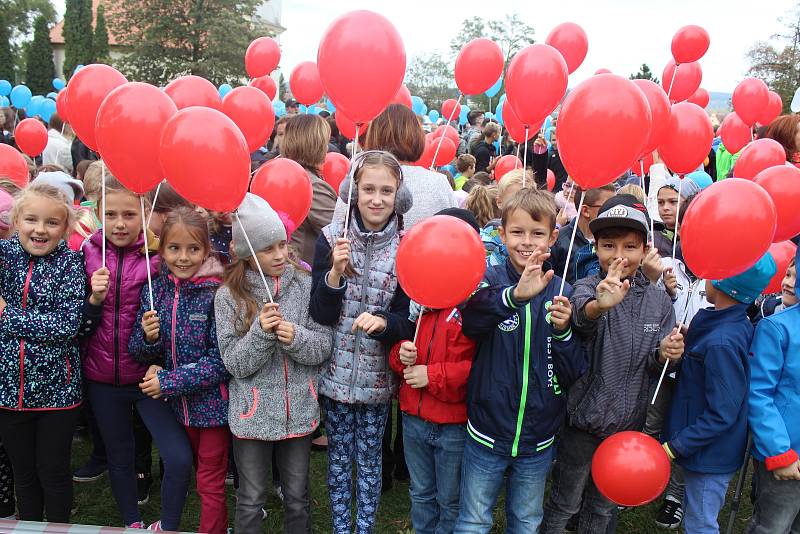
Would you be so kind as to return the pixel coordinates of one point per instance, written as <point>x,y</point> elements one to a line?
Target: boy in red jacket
<point>433,401</point>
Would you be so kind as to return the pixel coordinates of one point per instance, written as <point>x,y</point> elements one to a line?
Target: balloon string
<point>569,248</point>
<point>525,158</point>
<point>350,185</point>
<point>516,161</point>
<point>419,320</point>
<point>153,207</point>
<point>147,256</point>
<point>674,72</point>
<point>253,254</point>
<point>441,137</point>
<point>103,206</point>
<point>641,177</point>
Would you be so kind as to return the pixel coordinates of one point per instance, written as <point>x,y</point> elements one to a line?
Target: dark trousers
<point>39,445</point>
<point>777,509</point>
<point>7,502</point>
<point>394,461</point>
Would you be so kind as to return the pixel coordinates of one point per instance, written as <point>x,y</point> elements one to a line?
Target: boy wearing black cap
<point>628,327</point>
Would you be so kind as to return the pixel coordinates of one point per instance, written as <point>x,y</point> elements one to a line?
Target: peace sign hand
<point>533,279</point>
<point>612,289</point>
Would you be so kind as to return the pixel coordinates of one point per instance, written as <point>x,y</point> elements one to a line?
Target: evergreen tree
<point>40,70</point>
<point>644,74</point>
<point>6,57</point>
<point>77,34</point>
<point>100,41</point>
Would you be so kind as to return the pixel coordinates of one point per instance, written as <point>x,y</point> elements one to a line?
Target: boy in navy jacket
<point>526,358</point>
<point>706,432</point>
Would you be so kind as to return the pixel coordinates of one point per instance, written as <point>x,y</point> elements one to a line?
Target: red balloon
<point>687,78</point>
<point>727,228</point>
<point>348,128</point>
<point>335,169</point>
<point>642,166</point>
<point>13,165</point>
<point>193,90</point>
<point>61,105</point>
<point>505,165</point>
<point>749,99</point>
<point>129,126</point>
<point>659,110</point>
<point>31,136</point>
<point>87,89</point>
<point>772,110</point>
<point>540,66</point>
<point>266,84</point>
<point>446,151</point>
<point>403,97</point>
<point>286,186</point>
<point>630,468</point>
<point>569,39</point>
<point>262,57</point>
<point>782,182</point>
<point>440,262</point>
<point>362,63</point>
<point>735,134</point>
<point>426,159</point>
<point>304,83</point>
<point>688,138</point>
<point>447,131</point>
<point>602,71</point>
<point>759,155</point>
<point>614,106</point>
<point>205,158</point>
<point>700,97</point>
<point>783,253</point>
<point>451,109</point>
<point>252,112</point>
<point>551,180</point>
<point>514,126</point>
<point>478,66</point>
<point>689,44</point>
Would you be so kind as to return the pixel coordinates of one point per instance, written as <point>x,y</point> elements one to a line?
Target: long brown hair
<point>194,223</point>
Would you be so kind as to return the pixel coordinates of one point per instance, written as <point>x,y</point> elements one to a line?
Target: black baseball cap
<point>622,211</point>
<point>464,215</point>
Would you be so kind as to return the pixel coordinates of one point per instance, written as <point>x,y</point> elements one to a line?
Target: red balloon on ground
<point>571,40</point>
<point>630,468</point>
<point>252,112</point>
<point>266,85</point>
<point>262,57</point>
<point>659,110</point>
<point>62,104</point>
<point>686,80</point>
<point>286,186</point>
<point>13,165</point>
<point>505,165</point>
<point>362,63</point>
<point>450,109</point>
<point>335,169</point>
<point>305,84</point>
<point>129,127</point>
<point>540,66</point>
<point>551,180</point>
<point>782,182</point>
<point>687,141</point>
<point>403,97</point>
<point>759,155</point>
<point>614,106</point>
<point>772,110</point>
<point>348,128</point>
<point>734,133</point>
<point>783,253</point>
<point>31,136</point>
<point>205,158</point>
<point>191,90</point>
<point>727,228</point>
<point>440,262</point>
<point>87,89</point>
<point>749,99</point>
<point>690,43</point>
<point>478,66</point>
<point>700,97</point>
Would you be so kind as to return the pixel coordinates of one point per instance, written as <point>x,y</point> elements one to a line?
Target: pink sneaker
<point>138,524</point>
<point>156,526</point>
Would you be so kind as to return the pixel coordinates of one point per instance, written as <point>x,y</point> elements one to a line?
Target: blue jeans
<point>705,495</point>
<point>482,474</point>
<point>433,455</point>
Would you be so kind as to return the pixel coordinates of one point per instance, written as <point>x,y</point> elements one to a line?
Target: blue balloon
<point>5,87</point>
<point>548,122</point>
<point>314,110</point>
<point>496,146</point>
<point>493,90</point>
<point>498,114</point>
<point>418,106</point>
<point>433,115</point>
<point>303,108</point>
<point>462,117</point>
<point>329,104</point>
<point>35,105</point>
<point>279,108</point>
<point>224,89</point>
<point>488,115</point>
<point>46,109</point>
<point>701,178</point>
<point>4,103</point>
<point>502,99</point>
<point>52,95</point>
<point>58,84</point>
<point>77,68</point>
<point>20,96</point>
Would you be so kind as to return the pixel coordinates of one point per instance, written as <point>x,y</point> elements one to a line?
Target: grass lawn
<point>94,505</point>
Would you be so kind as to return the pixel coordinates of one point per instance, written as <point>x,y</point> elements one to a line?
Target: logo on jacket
<point>652,328</point>
<point>549,314</point>
<point>509,324</point>
<point>197,317</point>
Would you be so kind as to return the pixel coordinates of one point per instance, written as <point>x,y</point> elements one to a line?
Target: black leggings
<point>39,444</point>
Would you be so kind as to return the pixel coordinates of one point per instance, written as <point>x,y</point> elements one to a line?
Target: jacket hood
<point>209,274</point>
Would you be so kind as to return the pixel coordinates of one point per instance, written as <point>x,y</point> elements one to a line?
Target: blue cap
<point>747,286</point>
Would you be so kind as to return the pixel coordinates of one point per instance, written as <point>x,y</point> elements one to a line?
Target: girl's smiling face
<point>377,189</point>
<point>42,224</point>
<point>183,253</point>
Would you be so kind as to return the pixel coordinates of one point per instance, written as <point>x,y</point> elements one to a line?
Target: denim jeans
<point>656,417</point>
<point>433,455</point>
<point>777,509</point>
<point>482,476</point>
<point>705,495</point>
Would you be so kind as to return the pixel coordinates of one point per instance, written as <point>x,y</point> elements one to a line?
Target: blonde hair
<point>92,180</point>
<point>634,190</point>
<point>39,190</point>
<point>9,186</point>
<point>511,178</point>
<point>537,203</point>
<point>482,202</point>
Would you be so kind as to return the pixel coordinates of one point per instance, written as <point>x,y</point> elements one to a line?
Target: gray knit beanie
<point>260,222</point>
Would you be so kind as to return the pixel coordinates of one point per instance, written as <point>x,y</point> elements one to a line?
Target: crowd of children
<point>232,338</point>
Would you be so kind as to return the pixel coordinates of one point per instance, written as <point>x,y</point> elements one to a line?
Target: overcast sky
<point>622,33</point>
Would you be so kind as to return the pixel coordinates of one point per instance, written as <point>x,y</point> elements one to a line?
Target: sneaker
<point>138,524</point>
<point>143,483</point>
<point>156,526</point>
<point>670,515</point>
<point>278,491</point>
<point>90,471</point>
<point>229,478</point>
<point>263,514</point>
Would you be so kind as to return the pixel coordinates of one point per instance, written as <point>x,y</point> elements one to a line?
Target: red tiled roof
<point>57,33</point>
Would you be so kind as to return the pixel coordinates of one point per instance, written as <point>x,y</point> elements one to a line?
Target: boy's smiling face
<point>622,243</point>
<point>788,294</point>
<point>522,234</point>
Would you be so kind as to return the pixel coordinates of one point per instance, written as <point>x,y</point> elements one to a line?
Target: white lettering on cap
<point>618,211</point>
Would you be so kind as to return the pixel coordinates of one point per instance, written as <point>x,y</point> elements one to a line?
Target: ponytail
<point>482,202</point>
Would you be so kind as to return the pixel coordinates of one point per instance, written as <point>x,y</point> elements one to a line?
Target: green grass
<point>94,505</point>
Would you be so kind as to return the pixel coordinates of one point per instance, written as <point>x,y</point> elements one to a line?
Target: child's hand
<point>416,376</point>
<point>270,317</point>
<point>562,218</point>
<point>153,369</point>
<point>371,324</point>
<point>3,304</point>
<point>612,290</point>
<point>99,283</point>
<point>408,353</point>
<point>151,386</point>
<point>151,326</point>
<point>285,332</point>
<point>340,256</point>
<point>560,312</point>
<point>790,472</point>
<point>533,280</point>
<point>670,282</point>
<point>671,347</point>
<point>651,265</point>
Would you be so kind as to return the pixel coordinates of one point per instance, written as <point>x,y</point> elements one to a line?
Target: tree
<point>100,37</point>
<point>180,37</point>
<point>431,78</point>
<point>39,60</point>
<point>6,55</point>
<point>644,74</point>
<point>16,25</point>
<point>77,34</point>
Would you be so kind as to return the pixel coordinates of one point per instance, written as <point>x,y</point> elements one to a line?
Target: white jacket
<point>691,296</point>
<point>57,151</point>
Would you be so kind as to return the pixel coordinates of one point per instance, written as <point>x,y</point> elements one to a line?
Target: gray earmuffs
<point>403,199</point>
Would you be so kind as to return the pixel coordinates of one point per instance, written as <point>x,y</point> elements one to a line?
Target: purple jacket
<point>105,351</point>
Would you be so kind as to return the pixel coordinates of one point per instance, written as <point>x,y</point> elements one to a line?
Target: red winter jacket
<point>448,354</point>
